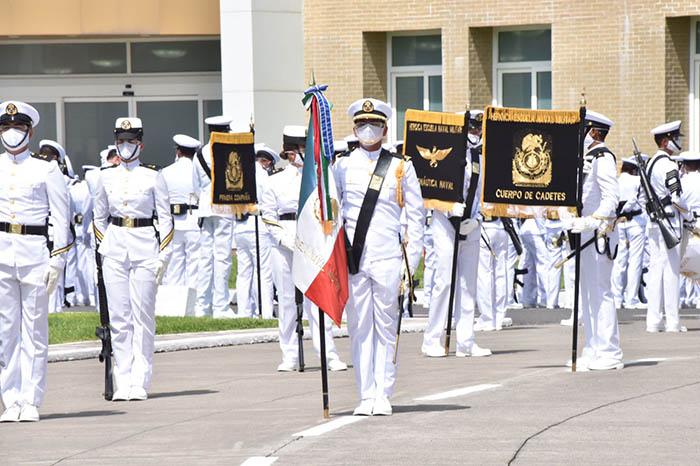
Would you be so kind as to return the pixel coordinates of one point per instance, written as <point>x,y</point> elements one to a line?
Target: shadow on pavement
<point>182,393</point>
<point>640,363</point>
<point>80,414</point>
<point>427,408</point>
<point>512,351</point>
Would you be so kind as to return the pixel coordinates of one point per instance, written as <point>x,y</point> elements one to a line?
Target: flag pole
<point>577,236</point>
<point>324,366</point>
<point>455,251</point>
<point>257,241</point>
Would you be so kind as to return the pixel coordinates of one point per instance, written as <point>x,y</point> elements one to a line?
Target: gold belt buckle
<point>15,228</point>
<point>129,222</point>
<point>176,209</point>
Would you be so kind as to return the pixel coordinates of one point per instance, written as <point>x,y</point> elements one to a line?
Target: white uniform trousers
<point>492,276</point>
<point>627,270</point>
<point>663,281</point>
<point>24,332</point>
<point>84,279</point>
<point>182,269</point>
<point>215,261</point>
<point>57,298</point>
<point>282,275</point>
<point>70,276</point>
<point>552,275</point>
<point>131,294</point>
<point>372,314</point>
<point>429,263</point>
<point>597,305</point>
<point>533,291</point>
<point>247,279</point>
<point>465,288</point>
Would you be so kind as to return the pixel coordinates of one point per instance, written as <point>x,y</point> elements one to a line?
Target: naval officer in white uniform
<point>32,189</point>
<point>135,250</point>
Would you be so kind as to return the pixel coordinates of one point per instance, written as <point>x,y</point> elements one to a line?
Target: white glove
<point>457,210</point>
<point>255,211</point>
<point>584,224</point>
<point>467,226</point>
<point>163,260</point>
<point>587,164</point>
<point>51,277</point>
<point>287,242</point>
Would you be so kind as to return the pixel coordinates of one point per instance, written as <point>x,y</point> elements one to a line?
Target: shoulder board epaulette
<point>398,156</point>
<point>151,166</point>
<point>109,166</point>
<point>344,154</point>
<point>276,171</point>
<point>39,156</point>
<point>601,151</point>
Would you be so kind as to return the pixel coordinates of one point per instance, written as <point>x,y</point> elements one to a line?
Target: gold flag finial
<point>467,107</point>
<point>583,97</point>
<point>312,78</point>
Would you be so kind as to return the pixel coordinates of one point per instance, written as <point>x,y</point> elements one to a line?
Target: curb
<point>191,341</point>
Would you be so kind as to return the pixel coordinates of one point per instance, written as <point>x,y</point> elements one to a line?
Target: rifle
<point>654,207</point>
<point>406,283</point>
<point>103,332</point>
<point>299,299</point>
<point>592,240</point>
<point>514,238</point>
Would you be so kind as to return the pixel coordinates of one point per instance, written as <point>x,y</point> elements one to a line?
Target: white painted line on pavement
<point>458,392</point>
<point>329,426</point>
<point>259,461</point>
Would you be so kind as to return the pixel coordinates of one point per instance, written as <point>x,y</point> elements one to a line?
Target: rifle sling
<point>471,192</point>
<point>203,163</point>
<point>368,205</point>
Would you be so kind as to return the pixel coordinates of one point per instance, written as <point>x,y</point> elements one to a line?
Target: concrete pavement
<point>228,406</point>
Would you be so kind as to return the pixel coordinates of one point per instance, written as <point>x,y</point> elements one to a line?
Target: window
<point>110,57</point>
<point>523,68</point>
<point>46,129</point>
<point>415,76</point>
<point>694,124</point>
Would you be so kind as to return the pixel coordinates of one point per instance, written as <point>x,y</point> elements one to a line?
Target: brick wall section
<point>374,65</point>
<point>618,51</point>
<point>480,67</point>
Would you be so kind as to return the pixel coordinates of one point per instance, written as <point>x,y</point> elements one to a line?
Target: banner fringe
<point>495,209</point>
<point>437,118</point>
<point>233,209</point>
<point>232,138</point>
<point>437,204</point>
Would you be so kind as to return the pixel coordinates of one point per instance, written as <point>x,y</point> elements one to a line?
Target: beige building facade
<point>637,60</point>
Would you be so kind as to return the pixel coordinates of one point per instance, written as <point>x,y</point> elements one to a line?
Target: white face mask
<point>674,145</point>
<point>13,138</point>
<point>369,134</point>
<point>128,151</point>
<point>587,141</point>
<point>473,140</point>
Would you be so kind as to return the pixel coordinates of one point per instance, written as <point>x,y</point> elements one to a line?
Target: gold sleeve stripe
<point>167,239</point>
<point>59,251</point>
<point>603,218</point>
<point>271,222</point>
<point>98,233</point>
<point>680,208</point>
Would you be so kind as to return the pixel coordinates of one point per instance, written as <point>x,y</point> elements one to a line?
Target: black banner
<point>233,170</point>
<point>530,159</point>
<point>435,143</point>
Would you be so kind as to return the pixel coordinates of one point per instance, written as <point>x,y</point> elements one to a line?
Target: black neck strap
<point>203,163</point>
<point>368,205</point>
<point>473,182</point>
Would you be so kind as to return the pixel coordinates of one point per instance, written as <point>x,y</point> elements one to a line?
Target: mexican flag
<point>319,268</point>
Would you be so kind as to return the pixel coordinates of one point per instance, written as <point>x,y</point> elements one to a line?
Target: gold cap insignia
<point>479,118</point>
<point>368,107</point>
<point>126,125</point>
<point>11,109</point>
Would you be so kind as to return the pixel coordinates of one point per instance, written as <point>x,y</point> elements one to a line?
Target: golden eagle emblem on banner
<point>532,163</point>
<point>435,155</point>
<point>234,172</point>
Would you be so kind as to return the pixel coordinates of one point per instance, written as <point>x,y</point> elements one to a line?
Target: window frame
<point>533,67</point>
<point>694,88</point>
<point>424,71</point>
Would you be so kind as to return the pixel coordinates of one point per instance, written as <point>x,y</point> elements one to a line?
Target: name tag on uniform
<point>376,183</point>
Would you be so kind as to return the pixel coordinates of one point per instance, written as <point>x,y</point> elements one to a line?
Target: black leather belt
<point>631,214</point>
<point>488,218</point>
<point>131,222</point>
<point>15,228</point>
<point>241,217</point>
<point>182,209</point>
<point>292,216</point>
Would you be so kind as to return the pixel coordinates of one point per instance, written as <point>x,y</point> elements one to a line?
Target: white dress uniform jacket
<point>32,190</point>
<point>82,222</point>
<point>131,254</point>
<point>372,308</point>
